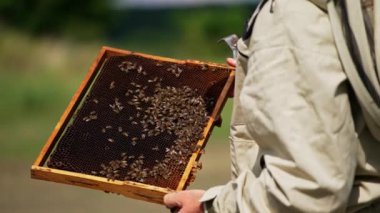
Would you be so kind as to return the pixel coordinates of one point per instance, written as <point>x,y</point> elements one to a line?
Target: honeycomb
<point>140,120</point>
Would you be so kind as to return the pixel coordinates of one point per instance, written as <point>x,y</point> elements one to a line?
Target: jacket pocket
<point>245,153</point>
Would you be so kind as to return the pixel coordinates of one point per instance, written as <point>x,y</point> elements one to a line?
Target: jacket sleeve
<point>296,106</point>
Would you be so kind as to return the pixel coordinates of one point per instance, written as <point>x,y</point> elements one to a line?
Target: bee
<point>143,136</point>
<point>116,106</point>
<point>155,148</point>
<point>109,177</point>
<point>117,102</point>
<point>197,147</point>
<point>199,165</point>
<point>158,85</point>
<point>95,101</point>
<point>112,85</point>
<point>120,129</point>
<point>124,164</point>
<point>110,140</point>
<point>104,130</point>
<point>125,134</point>
<point>108,127</point>
<point>139,69</point>
<point>155,79</point>
<point>204,67</point>
<point>158,64</point>
<point>127,93</point>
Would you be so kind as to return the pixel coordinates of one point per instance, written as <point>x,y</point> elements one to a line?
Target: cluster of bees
<point>175,70</point>
<point>176,111</point>
<point>181,112</point>
<point>116,106</point>
<point>129,165</point>
<point>128,66</point>
<point>90,117</point>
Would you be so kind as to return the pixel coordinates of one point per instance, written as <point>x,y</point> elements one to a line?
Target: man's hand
<point>185,201</point>
<point>231,62</point>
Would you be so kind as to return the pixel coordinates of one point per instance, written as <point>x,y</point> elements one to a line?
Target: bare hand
<point>185,201</point>
<point>231,62</point>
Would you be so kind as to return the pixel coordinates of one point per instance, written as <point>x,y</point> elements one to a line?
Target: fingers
<point>175,210</point>
<point>171,200</point>
<point>184,201</point>
<point>218,121</point>
<point>231,62</point>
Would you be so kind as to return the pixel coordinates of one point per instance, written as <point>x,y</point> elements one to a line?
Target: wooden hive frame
<point>130,189</point>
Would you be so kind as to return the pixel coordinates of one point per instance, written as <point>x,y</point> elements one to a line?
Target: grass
<point>30,106</point>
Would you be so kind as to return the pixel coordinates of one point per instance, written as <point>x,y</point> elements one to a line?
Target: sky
<point>177,3</point>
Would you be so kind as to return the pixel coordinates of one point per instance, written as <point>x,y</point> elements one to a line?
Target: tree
<point>56,17</point>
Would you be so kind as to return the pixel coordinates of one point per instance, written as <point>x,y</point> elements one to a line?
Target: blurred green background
<point>46,48</point>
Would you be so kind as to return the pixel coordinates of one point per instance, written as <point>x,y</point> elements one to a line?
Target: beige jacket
<point>294,144</point>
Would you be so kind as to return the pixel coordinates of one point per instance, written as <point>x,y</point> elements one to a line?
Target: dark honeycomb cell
<point>140,120</point>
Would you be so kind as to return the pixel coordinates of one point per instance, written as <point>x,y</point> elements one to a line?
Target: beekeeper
<point>304,134</point>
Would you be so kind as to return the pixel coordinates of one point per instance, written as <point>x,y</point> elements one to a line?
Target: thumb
<point>171,200</point>
<point>231,62</point>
